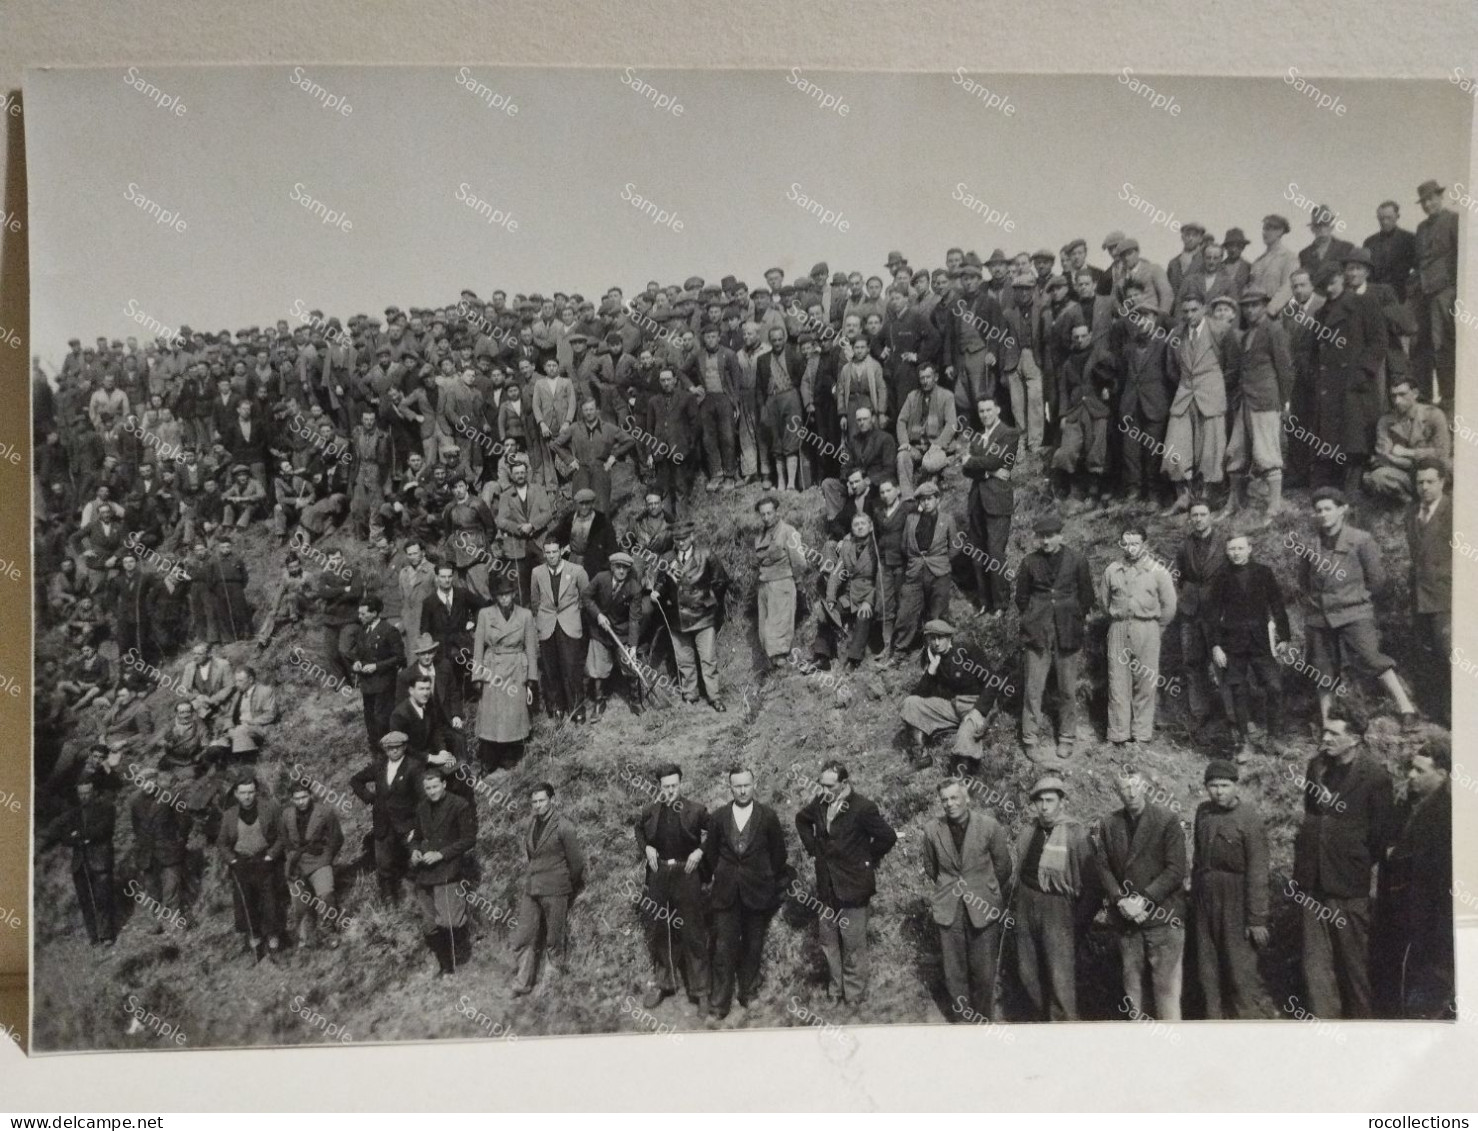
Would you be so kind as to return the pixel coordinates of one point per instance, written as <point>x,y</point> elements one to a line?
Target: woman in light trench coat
<point>505,662</point>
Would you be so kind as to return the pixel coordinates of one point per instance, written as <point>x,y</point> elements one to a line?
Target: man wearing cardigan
<point>554,872</point>
<point>746,858</point>
<point>1054,873</point>
<point>967,859</point>
<point>1141,857</point>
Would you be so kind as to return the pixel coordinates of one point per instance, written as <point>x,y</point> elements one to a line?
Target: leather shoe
<point>718,705</point>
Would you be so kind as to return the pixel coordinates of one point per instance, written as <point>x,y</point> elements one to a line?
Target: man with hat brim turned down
<point>1051,902</point>
<point>504,663</point>
<point>1436,286</point>
<point>688,587</point>
<point>1266,386</point>
<point>444,832</point>
<point>1054,595</point>
<point>1326,255</point>
<point>1229,898</point>
<point>950,694</point>
<point>252,843</point>
<point>1235,243</point>
<point>612,602</point>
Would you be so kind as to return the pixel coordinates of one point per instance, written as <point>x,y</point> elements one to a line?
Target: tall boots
<point>1274,480</point>
<point>598,696</point>
<point>452,947</point>
<point>440,943</point>
<point>1236,495</point>
<point>1182,499</point>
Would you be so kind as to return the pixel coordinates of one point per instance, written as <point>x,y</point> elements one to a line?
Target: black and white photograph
<point>531,551</point>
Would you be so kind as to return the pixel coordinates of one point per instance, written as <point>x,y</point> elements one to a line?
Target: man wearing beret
<point>1054,594</point>
<point>1229,898</point>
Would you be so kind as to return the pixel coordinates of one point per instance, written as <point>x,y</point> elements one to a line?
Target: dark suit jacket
<point>693,817</point>
<point>443,690</point>
<point>599,546</point>
<point>1151,863</point>
<point>428,733</point>
<point>1431,558</point>
<point>450,628</point>
<point>556,863</point>
<point>382,646</point>
<point>1345,829</point>
<point>317,843</point>
<point>961,672</point>
<point>1054,591</point>
<point>1150,375</point>
<point>159,832</point>
<point>448,826</point>
<point>994,496</point>
<point>393,810</point>
<point>752,877</point>
<point>847,854</point>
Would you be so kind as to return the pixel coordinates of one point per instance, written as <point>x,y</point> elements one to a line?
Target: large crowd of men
<point>471,452</point>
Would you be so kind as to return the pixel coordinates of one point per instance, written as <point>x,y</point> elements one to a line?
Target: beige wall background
<point>1410,1068</point>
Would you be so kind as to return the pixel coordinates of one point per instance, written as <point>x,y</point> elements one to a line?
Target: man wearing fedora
<point>1051,901</point>
<point>1235,243</point>
<point>1436,287</point>
<point>1325,256</point>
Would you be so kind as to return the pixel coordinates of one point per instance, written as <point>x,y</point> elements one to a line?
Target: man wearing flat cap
<point>952,694</point>
<point>1229,898</point>
<point>1436,287</point>
<point>1255,450</point>
<point>1054,595</point>
<point>1128,265</point>
<point>391,786</point>
<point>1188,263</point>
<point>1053,891</point>
<point>688,587</point>
<point>972,322</point>
<point>1272,271</point>
<point>612,603</point>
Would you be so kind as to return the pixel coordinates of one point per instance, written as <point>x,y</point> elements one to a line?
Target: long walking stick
<point>635,665</point>
<point>251,928</point>
<point>451,946</point>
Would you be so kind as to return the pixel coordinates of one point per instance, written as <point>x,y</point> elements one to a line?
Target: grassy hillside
<point>380,984</point>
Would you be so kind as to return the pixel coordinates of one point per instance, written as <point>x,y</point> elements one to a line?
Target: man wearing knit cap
<point>1229,898</point>
<point>1054,594</point>
<point>1053,887</point>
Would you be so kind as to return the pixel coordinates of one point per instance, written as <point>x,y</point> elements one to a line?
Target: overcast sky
<point>1055,167</point>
